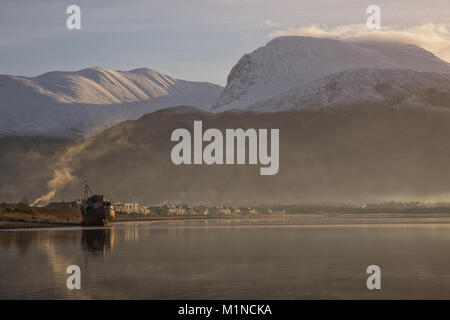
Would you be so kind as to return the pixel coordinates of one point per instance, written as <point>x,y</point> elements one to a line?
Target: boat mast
<point>86,191</point>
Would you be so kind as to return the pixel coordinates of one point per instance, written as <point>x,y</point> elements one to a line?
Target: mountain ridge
<point>108,86</point>
<point>61,103</point>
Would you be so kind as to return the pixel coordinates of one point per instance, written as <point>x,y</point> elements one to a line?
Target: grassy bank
<point>24,216</point>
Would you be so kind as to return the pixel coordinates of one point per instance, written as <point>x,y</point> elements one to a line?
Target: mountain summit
<point>288,62</point>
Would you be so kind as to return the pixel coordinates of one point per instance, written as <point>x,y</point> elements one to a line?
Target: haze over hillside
<point>73,104</point>
<point>288,62</point>
<point>346,154</point>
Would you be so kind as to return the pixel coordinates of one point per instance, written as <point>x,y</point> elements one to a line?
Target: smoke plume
<point>63,171</point>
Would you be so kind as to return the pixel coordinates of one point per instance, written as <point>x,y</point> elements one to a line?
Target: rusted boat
<point>95,210</point>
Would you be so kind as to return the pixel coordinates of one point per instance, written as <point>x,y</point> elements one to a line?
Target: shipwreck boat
<point>95,210</point>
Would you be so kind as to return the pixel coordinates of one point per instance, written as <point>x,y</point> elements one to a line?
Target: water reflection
<point>98,241</point>
<point>289,259</point>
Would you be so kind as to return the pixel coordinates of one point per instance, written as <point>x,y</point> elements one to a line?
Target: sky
<point>196,40</point>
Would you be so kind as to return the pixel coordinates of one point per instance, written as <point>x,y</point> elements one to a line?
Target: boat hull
<point>97,216</point>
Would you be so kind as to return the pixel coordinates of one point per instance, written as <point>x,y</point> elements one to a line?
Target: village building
<point>131,208</point>
<point>236,210</point>
<point>222,210</point>
<point>172,210</point>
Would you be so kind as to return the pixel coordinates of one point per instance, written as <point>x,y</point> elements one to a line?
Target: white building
<point>131,208</point>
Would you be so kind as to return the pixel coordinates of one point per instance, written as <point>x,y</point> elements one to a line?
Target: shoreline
<point>37,224</point>
<point>306,218</point>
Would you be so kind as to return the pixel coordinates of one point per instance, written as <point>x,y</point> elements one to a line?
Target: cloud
<point>434,37</point>
<point>270,24</point>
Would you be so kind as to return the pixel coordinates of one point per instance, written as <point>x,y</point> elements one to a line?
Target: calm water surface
<point>301,257</point>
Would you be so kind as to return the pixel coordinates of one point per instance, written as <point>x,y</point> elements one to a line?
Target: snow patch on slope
<point>364,87</point>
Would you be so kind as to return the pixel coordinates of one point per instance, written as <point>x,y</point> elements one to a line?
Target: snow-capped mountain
<point>365,87</point>
<point>73,103</point>
<point>288,62</point>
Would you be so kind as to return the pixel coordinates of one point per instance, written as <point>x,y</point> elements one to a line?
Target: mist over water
<point>305,256</point>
